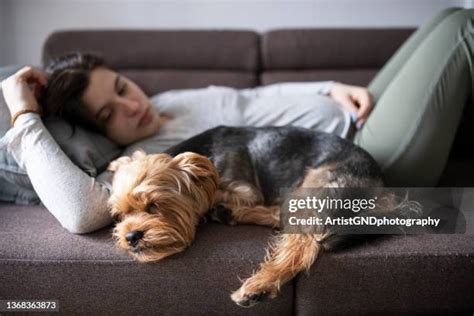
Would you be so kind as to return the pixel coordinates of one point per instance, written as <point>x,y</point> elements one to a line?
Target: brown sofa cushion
<point>163,60</point>
<point>330,48</point>
<point>398,275</point>
<point>394,275</point>
<point>327,54</point>
<point>88,275</point>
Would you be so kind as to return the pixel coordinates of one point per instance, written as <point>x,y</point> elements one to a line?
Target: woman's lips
<point>146,118</point>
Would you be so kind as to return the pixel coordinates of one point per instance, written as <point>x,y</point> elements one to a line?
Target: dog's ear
<point>195,165</point>
<point>200,171</point>
<point>117,163</point>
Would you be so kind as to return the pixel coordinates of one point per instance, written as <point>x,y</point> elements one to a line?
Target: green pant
<point>419,99</point>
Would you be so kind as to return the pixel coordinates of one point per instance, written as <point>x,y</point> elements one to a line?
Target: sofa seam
<point>371,257</point>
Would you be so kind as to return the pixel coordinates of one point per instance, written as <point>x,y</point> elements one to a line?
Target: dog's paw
<point>221,214</point>
<point>247,297</point>
<point>249,300</point>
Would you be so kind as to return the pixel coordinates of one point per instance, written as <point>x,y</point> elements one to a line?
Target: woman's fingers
<point>22,89</point>
<point>348,103</point>
<point>356,100</point>
<point>364,100</point>
<point>32,74</point>
<point>341,94</point>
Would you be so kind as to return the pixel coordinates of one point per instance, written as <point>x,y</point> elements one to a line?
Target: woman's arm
<point>78,201</point>
<point>354,99</point>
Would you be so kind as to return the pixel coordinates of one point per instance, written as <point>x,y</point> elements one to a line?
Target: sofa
<point>87,275</point>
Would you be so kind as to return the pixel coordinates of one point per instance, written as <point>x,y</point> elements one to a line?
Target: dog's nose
<point>133,237</point>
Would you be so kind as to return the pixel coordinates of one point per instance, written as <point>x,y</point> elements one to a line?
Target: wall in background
<point>2,31</point>
<point>25,24</point>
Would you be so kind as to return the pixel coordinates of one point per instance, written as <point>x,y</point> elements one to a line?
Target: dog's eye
<point>116,217</point>
<point>149,208</point>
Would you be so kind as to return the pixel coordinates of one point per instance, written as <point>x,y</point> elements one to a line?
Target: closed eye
<point>116,216</point>
<point>122,90</point>
<point>151,208</point>
<point>104,114</point>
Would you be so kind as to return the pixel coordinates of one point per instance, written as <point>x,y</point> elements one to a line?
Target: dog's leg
<point>258,215</point>
<point>289,254</point>
<point>238,193</point>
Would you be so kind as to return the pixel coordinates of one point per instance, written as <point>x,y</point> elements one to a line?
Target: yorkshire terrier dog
<point>158,200</point>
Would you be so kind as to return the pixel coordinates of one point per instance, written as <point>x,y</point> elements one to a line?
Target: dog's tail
<point>388,207</point>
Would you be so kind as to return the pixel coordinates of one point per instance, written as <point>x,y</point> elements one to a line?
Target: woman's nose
<point>130,106</point>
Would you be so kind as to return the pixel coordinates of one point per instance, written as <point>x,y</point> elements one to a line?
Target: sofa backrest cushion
<point>346,55</point>
<point>160,60</point>
<point>163,60</point>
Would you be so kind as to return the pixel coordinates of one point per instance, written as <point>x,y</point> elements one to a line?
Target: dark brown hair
<point>68,78</point>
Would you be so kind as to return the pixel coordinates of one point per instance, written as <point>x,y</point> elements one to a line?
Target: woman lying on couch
<point>420,92</point>
<point>82,90</point>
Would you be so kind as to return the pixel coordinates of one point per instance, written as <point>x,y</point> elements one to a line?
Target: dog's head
<point>158,201</point>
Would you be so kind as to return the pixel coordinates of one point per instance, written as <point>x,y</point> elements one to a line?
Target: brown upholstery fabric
<point>352,56</point>
<point>398,275</point>
<point>150,49</point>
<point>41,260</point>
<point>163,60</point>
<point>330,48</point>
<point>390,275</point>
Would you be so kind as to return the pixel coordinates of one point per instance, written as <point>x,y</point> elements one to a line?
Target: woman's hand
<point>356,100</point>
<point>22,89</point>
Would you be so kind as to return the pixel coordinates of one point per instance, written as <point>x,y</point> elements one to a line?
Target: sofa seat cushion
<point>88,275</point>
<point>397,275</point>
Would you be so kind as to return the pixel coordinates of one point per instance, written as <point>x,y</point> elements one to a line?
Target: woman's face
<point>120,107</point>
